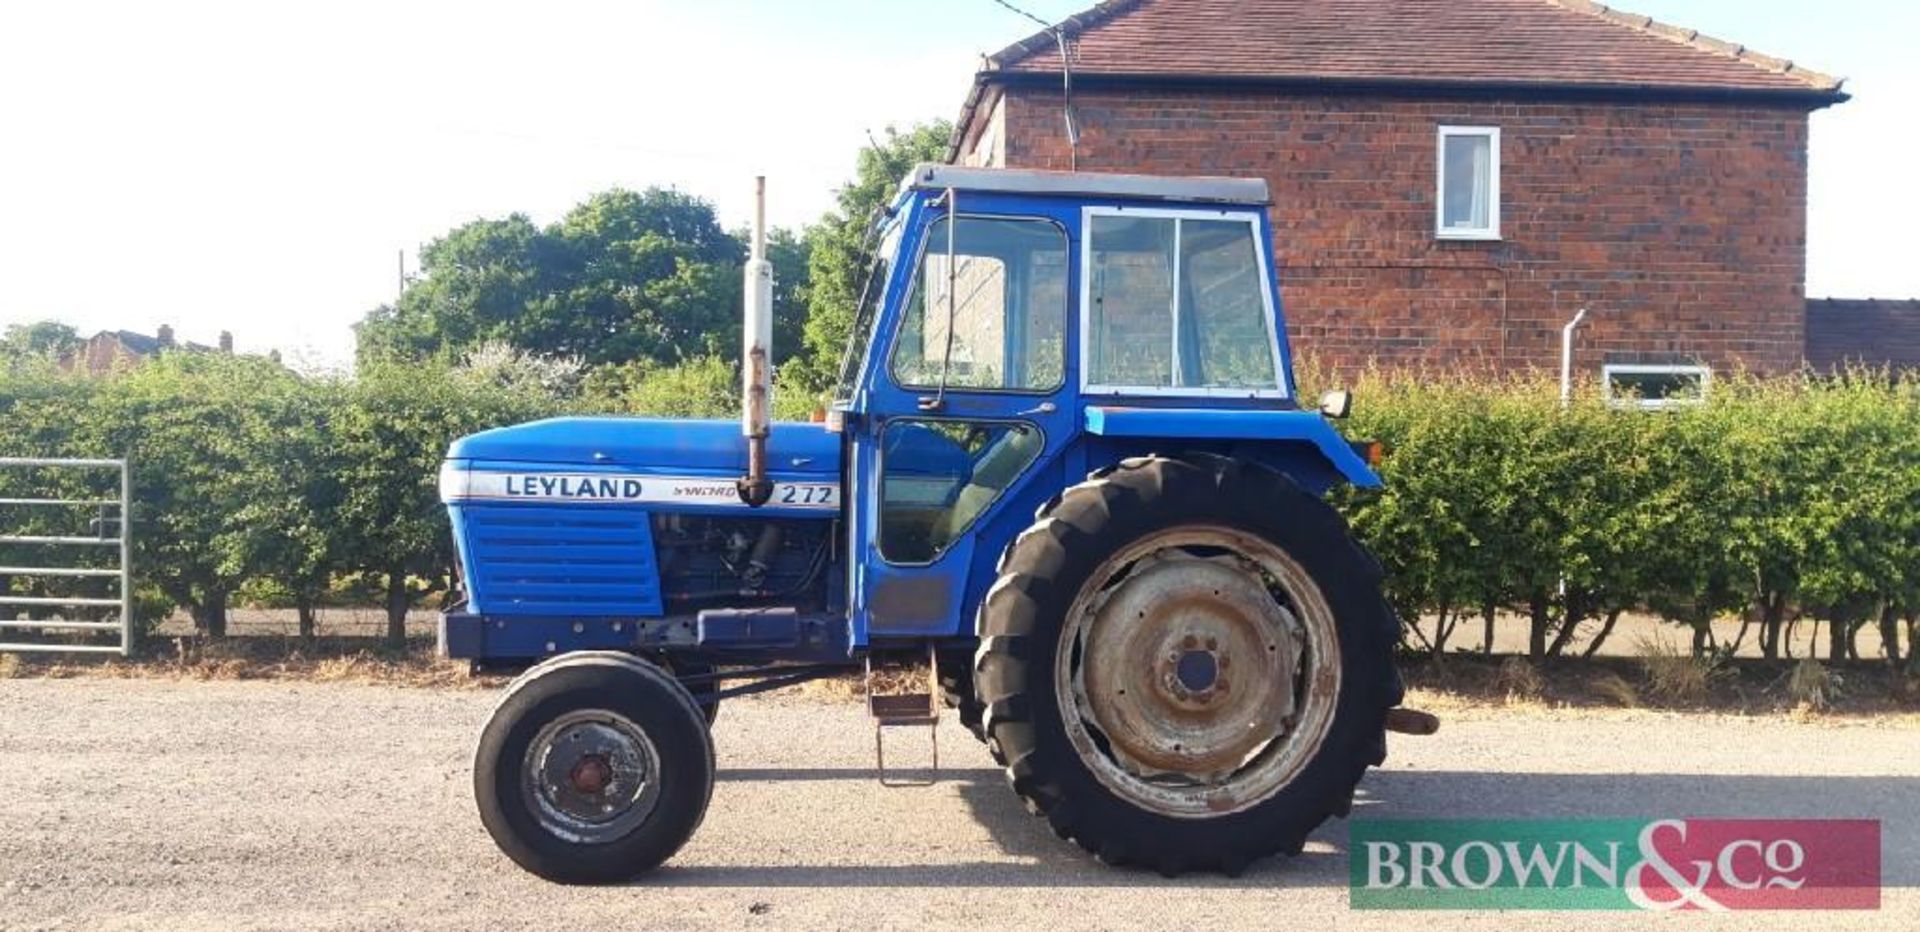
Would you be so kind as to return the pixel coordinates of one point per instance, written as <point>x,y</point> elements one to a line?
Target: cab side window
<point>1177,304</point>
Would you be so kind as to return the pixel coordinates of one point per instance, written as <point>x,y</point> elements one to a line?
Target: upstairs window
<point>1177,304</point>
<point>1469,182</point>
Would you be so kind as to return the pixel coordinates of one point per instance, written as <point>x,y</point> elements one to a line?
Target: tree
<point>478,278</point>
<point>837,267</point>
<point>391,437</point>
<point>45,339</point>
<point>198,428</point>
<point>706,387</point>
<point>790,255</point>
<point>295,472</point>
<point>624,275</point>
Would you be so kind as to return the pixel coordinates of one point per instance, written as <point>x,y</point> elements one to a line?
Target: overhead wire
<point>1060,38</point>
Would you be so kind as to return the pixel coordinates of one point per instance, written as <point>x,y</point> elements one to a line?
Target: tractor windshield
<point>867,313</point>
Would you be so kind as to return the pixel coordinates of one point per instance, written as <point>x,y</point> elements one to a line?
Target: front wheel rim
<point>1197,671</point>
<point>591,776</point>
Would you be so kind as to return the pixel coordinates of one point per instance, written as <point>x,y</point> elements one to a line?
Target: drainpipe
<point>1566,393</point>
<point>1566,357</point>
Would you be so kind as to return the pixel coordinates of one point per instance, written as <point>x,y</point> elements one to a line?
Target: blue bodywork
<point>555,520</point>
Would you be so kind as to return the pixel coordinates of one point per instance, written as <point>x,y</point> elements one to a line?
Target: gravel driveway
<point>135,804</point>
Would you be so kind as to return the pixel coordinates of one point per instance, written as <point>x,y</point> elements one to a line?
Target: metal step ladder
<point>905,710</point>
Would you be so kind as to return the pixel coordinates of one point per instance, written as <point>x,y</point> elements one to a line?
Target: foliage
<point>837,267</point>
<point>705,387</point>
<point>1783,498</point>
<point>517,370</point>
<point>623,276</point>
<point>1787,500</point>
<point>45,339</point>
<point>389,438</point>
<point>203,433</point>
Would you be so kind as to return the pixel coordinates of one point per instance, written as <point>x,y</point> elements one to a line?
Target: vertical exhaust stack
<point>756,364</point>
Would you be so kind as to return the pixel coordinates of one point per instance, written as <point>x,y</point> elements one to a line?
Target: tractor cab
<point>1021,328</point>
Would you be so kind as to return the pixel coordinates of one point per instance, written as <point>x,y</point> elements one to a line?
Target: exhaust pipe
<point>756,364</point>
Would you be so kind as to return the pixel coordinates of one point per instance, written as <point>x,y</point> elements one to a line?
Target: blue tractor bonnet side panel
<point>554,519</point>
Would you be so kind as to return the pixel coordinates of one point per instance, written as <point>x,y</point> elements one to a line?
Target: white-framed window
<point>1467,205</point>
<point>1653,387</point>
<point>1176,302</point>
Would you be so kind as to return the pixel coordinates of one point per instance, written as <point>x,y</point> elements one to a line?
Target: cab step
<point>905,710</point>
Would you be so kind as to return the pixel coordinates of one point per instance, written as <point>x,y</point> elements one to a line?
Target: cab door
<point>967,405</point>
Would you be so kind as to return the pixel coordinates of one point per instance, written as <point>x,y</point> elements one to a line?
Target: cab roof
<point>932,176</point>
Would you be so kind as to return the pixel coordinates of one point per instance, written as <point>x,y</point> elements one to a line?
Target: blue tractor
<point>1065,468</point>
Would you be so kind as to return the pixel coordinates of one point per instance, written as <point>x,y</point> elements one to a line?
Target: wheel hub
<point>1193,669</point>
<point>591,775</point>
<point>1196,672</point>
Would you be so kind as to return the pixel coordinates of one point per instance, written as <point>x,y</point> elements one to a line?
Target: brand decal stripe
<point>609,488</point>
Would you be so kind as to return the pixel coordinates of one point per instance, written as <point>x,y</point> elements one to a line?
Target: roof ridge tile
<point>1699,40</point>
<point>1072,25</point>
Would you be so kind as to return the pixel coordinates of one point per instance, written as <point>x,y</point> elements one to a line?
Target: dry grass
<point>1468,684</point>
<point>1614,688</point>
<point>853,686</point>
<point>1674,675</point>
<point>1813,687</point>
<point>1519,681</point>
<point>1666,679</point>
<point>261,658</point>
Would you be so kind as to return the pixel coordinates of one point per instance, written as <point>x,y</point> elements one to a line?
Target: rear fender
<point>1300,443</point>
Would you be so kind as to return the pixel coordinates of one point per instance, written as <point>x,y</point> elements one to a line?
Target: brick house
<point>109,350</point>
<point>1454,179</point>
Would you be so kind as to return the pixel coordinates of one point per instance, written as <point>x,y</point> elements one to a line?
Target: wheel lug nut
<point>1189,642</point>
<point>1213,644</point>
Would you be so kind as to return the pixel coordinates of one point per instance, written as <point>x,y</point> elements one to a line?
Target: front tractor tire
<point>594,768</point>
<point>1186,664</point>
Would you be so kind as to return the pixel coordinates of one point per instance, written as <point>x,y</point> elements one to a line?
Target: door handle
<point>1045,407</point>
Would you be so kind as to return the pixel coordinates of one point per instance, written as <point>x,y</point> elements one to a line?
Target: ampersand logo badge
<point>1662,865</point>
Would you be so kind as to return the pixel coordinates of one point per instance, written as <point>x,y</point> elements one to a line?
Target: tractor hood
<point>652,444</point>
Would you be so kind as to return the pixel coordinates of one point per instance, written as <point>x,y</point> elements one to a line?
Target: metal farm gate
<point>58,542</point>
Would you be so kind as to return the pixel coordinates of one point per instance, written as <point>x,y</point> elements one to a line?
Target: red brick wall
<point>1682,226</point>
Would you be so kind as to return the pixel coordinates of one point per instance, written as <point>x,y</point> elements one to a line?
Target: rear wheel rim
<point>1197,671</point>
<point>591,776</point>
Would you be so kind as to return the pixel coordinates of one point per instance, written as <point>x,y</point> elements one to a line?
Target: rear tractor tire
<point>957,689</point>
<point>594,768</point>
<point>1187,664</point>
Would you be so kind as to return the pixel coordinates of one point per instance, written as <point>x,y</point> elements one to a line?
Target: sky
<point>259,167</point>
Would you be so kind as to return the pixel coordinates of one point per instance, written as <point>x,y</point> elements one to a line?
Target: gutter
<point>1809,98</point>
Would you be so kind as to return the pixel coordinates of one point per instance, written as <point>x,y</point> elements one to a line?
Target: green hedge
<point>1777,499</point>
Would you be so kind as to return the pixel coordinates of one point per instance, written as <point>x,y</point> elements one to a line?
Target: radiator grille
<point>568,560</point>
